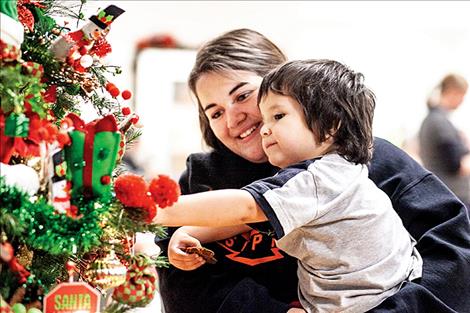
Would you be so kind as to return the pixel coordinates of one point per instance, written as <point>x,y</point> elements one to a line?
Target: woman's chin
<point>255,155</point>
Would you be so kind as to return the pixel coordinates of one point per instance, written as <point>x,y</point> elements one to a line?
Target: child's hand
<point>177,257</point>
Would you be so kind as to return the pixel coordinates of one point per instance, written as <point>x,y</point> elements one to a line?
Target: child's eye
<point>278,116</point>
<point>243,96</point>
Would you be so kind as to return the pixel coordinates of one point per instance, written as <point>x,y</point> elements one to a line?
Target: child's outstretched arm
<point>212,208</point>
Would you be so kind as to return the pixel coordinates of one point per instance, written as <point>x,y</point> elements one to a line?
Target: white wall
<point>402,47</point>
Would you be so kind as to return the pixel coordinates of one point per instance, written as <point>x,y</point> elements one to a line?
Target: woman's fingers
<point>180,259</point>
<point>184,261</point>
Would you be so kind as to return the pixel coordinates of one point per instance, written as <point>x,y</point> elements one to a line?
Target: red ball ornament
<point>126,94</point>
<point>114,92</point>
<point>110,86</point>
<point>105,180</point>
<point>126,110</point>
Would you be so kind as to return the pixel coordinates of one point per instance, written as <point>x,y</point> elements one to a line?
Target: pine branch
<point>50,268</point>
<point>64,104</point>
<point>63,8</point>
<point>102,105</point>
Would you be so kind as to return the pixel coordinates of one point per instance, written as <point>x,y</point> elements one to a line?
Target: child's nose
<point>265,130</point>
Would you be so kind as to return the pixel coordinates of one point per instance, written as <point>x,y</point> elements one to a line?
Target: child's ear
<point>332,132</point>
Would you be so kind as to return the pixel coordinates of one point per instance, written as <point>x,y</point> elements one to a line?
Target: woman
<point>252,275</point>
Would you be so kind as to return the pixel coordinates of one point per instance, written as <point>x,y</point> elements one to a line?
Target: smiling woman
<point>229,103</point>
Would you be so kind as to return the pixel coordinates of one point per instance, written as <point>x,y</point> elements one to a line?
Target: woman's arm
<point>438,221</point>
<point>217,208</point>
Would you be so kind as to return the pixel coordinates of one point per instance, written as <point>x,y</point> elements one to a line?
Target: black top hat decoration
<point>106,16</point>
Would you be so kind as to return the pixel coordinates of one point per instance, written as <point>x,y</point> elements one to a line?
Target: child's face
<point>286,137</point>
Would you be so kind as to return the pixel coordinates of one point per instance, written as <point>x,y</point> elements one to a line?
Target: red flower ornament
<point>165,191</point>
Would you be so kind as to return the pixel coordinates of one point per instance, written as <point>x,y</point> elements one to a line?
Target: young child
<point>352,247</point>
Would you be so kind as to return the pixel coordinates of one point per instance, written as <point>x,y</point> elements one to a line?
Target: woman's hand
<point>177,257</point>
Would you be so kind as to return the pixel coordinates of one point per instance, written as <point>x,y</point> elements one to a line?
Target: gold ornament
<point>106,272</point>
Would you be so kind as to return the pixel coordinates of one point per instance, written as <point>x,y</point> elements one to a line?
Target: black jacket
<point>252,275</point>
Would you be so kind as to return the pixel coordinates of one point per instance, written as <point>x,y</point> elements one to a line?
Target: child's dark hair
<point>335,103</point>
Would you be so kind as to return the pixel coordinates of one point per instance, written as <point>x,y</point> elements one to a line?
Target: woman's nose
<point>234,116</point>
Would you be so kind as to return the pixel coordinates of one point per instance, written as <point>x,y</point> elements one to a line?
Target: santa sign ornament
<point>72,297</point>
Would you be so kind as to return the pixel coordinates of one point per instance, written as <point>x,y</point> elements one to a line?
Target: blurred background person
<point>445,150</point>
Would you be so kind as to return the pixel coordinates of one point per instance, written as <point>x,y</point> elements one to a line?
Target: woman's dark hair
<point>240,49</point>
<point>335,103</point>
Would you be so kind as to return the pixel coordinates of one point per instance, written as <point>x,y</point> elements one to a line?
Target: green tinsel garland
<point>48,230</point>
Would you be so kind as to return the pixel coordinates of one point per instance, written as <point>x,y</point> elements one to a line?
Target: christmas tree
<point>68,211</point>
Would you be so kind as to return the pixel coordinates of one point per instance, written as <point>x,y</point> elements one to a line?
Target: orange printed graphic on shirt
<point>251,248</point>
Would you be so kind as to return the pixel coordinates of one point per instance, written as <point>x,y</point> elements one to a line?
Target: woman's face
<point>229,102</point>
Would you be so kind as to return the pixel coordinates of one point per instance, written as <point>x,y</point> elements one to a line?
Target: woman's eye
<point>216,115</point>
<point>243,96</point>
<point>278,116</point>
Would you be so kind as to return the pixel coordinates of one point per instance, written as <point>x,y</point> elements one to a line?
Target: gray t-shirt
<point>442,149</point>
<point>352,247</point>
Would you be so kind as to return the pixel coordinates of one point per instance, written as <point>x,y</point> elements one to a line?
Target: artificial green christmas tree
<point>59,217</point>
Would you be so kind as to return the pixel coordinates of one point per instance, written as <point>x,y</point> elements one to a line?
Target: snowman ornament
<point>74,47</point>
